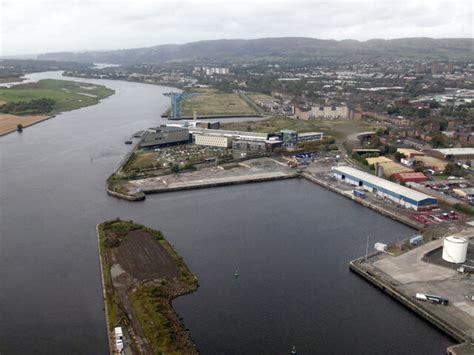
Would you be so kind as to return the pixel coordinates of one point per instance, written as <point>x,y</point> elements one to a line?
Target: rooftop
<point>411,175</point>
<point>308,134</point>
<point>388,185</point>
<point>455,151</point>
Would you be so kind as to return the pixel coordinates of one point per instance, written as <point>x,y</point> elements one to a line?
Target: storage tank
<point>455,249</point>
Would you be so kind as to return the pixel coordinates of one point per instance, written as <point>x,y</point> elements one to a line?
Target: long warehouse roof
<point>396,188</point>
<point>455,151</point>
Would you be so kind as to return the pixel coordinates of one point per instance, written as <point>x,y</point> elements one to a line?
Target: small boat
<point>128,142</point>
<point>236,273</point>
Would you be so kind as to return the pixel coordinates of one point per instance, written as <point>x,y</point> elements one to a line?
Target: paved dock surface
<point>252,170</point>
<point>408,274</point>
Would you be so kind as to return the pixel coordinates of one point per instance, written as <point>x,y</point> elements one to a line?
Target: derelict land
<point>142,274</point>
<point>211,103</point>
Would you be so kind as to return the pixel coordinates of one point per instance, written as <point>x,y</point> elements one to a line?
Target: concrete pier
<point>403,276</point>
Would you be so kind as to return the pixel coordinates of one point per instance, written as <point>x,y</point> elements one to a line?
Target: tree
<point>398,156</point>
<point>439,140</point>
<point>453,170</point>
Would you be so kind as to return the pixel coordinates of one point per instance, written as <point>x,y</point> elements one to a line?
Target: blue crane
<point>176,100</point>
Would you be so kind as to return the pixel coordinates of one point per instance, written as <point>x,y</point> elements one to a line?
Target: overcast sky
<point>39,26</point>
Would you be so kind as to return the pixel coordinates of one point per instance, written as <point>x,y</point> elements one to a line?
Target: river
<point>290,240</point>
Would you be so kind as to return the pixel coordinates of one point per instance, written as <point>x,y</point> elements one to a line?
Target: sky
<point>41,26</point>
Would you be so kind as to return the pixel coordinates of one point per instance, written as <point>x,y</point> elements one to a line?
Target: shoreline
<point>104,293</point>
<point>223,116</point>
<point>27,125</point>
<point>397,217</point>
<point>229,182</point>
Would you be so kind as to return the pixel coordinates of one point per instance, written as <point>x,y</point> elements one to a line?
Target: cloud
<point>38,26</point>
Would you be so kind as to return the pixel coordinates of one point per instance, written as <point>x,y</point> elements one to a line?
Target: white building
<point>212,140</point>
<point>330,112</point>
<point>399,194</point>
<point>214,70</point>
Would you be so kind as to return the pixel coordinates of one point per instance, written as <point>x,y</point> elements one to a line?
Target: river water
<point>290,240</point>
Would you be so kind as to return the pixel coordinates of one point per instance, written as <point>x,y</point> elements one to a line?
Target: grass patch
<point>338,129</point>
<point>464,208</point>
<point>67,95</point>
<point>151,306</point>
<point>210,102</point>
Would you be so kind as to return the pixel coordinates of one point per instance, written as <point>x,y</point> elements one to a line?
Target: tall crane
<point>176,101</point>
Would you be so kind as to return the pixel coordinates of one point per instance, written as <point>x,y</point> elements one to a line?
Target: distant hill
<point>280,49</point>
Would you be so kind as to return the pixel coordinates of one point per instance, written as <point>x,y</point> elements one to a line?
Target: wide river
<point>290,240</point>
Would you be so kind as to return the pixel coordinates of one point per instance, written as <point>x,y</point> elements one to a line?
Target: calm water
<point>291,242</point>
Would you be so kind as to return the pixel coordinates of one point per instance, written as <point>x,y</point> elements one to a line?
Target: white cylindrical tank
<point>455,249</point>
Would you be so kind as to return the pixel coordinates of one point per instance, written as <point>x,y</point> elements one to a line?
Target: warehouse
<point>395,192</point>
<point>410,177</point>
<point>453,154</point>
<point>164,136</point>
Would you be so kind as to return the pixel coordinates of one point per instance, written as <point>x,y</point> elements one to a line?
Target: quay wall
<point>396,216</point>
<point>406,300</point>
<point>220,183</point>
<point>109,330</point>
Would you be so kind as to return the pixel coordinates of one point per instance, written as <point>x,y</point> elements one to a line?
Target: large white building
<point>384,188</point>
<point>331,112</point>
<point>213,140</point>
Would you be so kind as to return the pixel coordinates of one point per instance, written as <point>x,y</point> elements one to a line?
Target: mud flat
<point>8,122</point>
<point>403,276</point>
<point>142,274</point>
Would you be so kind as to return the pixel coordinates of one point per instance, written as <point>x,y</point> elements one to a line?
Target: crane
<point>176,100</point>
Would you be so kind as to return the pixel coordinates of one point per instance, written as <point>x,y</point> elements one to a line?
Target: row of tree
<point>36,106</point>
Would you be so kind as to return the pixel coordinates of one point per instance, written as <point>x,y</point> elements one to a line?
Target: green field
<point>337,129</point>
<point>211,102</point>
<point>68,95</point>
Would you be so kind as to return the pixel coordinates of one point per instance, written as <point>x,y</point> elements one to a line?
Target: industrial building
<point>453,154</point>
<point>410,177</point>
<point>386,167</point>
<point>387,189</point>
<point>410,153</point>
<point>164,136</point>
